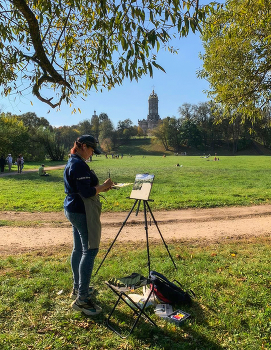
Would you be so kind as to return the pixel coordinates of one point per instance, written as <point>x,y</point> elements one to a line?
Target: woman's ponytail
<point>77,145</point>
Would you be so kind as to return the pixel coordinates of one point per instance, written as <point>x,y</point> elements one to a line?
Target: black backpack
<point>167,292</point>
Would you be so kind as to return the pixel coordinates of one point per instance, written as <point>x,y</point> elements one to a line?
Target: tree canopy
<point>13,135</point>
<point>198,128</point>
<point>237,58</point>
<point>73,46</point>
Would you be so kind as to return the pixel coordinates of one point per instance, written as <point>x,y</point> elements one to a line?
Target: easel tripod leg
<point>124,222</point>
<point>147,236</point>
<point>161,235</point>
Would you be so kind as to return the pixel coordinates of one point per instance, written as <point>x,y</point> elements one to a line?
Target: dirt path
<point>45,230</point>
<point>13,173</point>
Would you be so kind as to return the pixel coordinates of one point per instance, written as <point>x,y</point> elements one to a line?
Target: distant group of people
<point>209,155</point>
<point>9,162</point>
<point>114,156</point>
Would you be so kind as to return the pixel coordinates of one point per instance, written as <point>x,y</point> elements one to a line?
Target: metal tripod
<point>146,207</point>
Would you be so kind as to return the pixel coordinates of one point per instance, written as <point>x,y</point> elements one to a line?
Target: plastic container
<point>163,310</point>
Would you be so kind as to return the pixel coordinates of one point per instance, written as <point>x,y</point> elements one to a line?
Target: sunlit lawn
<point>231,279</point>
<point>197,182</point>
<point>231,309</point>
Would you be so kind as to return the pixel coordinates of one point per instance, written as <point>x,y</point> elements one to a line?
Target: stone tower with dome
<point>153,118</point>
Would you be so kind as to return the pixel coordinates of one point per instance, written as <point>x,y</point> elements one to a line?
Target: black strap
<point>162,277</point>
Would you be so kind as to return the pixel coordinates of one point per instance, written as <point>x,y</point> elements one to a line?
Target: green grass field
<point>197,183</point>
<point>231,310</point>
<point>231,279</point>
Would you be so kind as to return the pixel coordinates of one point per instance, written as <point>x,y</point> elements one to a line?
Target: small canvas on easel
<point>142,186</point>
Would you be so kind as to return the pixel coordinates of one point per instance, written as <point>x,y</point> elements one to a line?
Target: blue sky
<point>130,100</point>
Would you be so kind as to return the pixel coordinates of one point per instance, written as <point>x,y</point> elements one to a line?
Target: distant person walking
<point>2,163</point>
<point>19,163</point>
<point>22,160</point>
<point>9,162</point>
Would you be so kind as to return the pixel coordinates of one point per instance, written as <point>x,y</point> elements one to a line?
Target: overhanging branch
<point>36,91</point>
<point>40,57</point>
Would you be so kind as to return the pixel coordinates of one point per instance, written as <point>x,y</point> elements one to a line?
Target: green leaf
<point>158,66</point>
<point>158,45</point>
<point>150,69</point>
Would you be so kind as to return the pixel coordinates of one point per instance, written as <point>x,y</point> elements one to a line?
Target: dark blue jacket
<point>78,178</point>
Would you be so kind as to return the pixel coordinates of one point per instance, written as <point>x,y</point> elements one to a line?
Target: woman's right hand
<point>108,183</point>
<point>106,186</point>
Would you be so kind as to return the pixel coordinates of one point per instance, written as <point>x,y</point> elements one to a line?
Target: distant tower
<point>153,116</point>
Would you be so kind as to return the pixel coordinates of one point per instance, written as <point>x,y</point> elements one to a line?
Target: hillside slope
<point>152,146</point>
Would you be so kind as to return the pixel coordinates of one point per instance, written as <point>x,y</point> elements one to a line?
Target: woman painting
<point>83,208</point>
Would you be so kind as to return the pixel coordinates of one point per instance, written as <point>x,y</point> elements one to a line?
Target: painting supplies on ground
<point>139,300</point>
<point>166,312</point>
<point>163,310</point>
<point>177,317</point>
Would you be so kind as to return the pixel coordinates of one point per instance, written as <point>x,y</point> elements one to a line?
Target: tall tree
<point>125,129</point>
<point>174,133</point>
<point>106,129</point>
<point>190,135</point>
<point>103,117</point>
<point>72,46</point>
<point>52,143</point>
<point>160,132</point>
<point>204,119</point>
<point>107,145</point>
<point>32,121</point>
<point>237,56</point>
<point>13,135</point>
<point>85,127</point>
<point>95,125</point>
<point>67,134</point>
<point>186,111</point>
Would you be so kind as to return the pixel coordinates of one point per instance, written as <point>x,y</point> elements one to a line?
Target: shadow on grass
<point>166,335</point>
<point>54,176</point>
